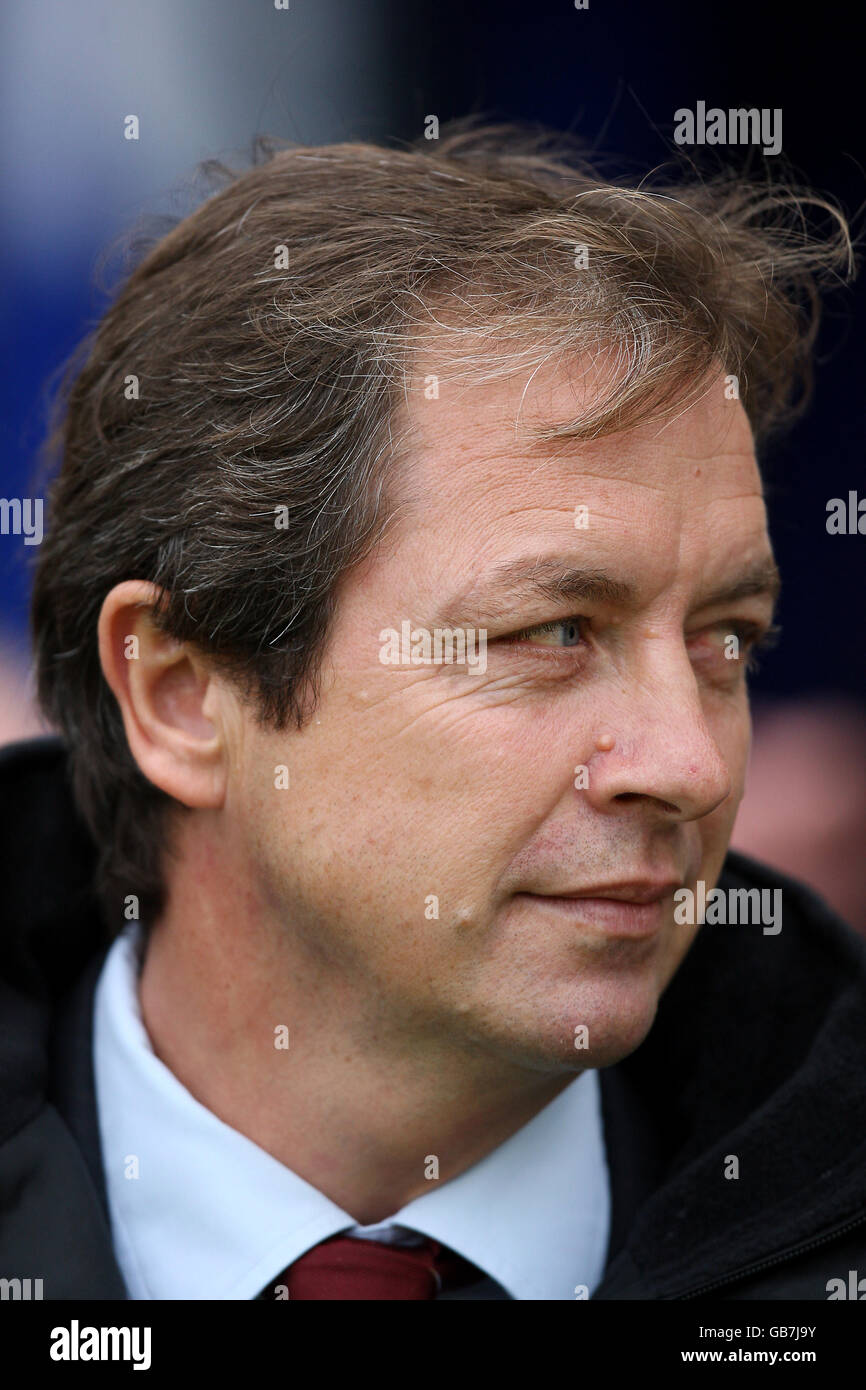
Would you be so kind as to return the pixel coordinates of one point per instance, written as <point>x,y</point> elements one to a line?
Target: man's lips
<point>637,908</point>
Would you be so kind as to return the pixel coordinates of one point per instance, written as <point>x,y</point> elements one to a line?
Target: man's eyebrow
<point>509,585</point>
<point>516,582</point>
<point>760,579</point>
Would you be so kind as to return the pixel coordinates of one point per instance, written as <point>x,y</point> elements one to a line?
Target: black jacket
<point>758,1051</point>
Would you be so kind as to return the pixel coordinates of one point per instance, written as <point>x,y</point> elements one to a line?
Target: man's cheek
<point>715,829</point>
<point>479,730</point>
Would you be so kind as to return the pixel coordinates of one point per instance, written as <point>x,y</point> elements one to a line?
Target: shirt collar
<point>200,1211</point>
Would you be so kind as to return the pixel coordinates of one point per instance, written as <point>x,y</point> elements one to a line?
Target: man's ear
<point>170,703</point>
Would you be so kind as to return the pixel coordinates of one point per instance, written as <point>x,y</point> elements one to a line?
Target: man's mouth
<point>633,909</point>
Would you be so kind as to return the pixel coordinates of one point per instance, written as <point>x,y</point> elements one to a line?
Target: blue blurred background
<point>204,76</point>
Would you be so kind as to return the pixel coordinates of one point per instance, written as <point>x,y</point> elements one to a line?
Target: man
<point>406,558</point>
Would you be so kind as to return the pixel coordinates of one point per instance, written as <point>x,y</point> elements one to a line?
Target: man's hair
<point>273,334</point>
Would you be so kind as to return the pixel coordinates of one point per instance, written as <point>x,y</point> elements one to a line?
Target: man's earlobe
<point>168,698</point>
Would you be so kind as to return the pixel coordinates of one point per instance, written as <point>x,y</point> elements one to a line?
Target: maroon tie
<point>345,1268</point>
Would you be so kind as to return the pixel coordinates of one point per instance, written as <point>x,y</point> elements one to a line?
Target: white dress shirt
<point>198,1211</point>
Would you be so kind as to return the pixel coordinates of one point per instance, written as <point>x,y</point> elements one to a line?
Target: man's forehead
<point>476,435</point>
<point>675,501</point>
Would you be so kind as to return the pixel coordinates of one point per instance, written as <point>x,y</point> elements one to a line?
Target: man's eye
<point>737,642</point>
<point>758,642</point>
<point>563,632</point>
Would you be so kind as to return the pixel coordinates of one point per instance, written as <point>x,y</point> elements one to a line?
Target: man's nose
<point>663,749</point>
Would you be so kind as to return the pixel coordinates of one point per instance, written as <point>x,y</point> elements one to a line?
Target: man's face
<point>425,789</point>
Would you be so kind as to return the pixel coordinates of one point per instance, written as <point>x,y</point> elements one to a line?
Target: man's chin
<point>609,1040</point>
<point>578,1038</point>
